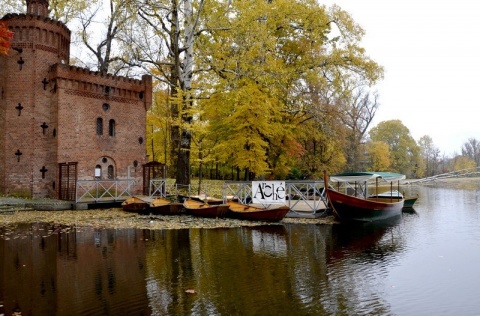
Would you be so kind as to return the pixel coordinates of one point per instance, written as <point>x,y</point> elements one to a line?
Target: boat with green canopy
<point>348,196</point>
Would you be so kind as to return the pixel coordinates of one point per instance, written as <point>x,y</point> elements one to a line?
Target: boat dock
<point>306,199</point>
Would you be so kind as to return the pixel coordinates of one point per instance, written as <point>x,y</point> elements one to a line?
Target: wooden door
<point>68,181</point>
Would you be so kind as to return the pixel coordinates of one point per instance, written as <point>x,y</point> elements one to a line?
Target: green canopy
<point>366,176</point>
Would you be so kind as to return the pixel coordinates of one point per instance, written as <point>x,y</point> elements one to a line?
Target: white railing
<point>302,196</point>
<point>158,187</point>
<point>104,190</point>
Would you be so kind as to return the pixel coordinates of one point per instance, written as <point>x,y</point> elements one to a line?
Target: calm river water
<point>426,262</point>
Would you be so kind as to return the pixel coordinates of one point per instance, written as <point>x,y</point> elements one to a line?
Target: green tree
<point>379,156</point>
<point>404,151</point>
<point>158,127</point>
<point>250,126</point>
<point>284,48</point>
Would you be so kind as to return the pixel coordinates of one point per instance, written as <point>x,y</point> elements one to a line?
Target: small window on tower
<point>99,126</point>
<point>111,174</point>
<point>111,128</point>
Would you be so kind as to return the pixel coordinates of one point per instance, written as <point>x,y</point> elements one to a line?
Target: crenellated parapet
<point>94,84</point>
<point>39,32</point>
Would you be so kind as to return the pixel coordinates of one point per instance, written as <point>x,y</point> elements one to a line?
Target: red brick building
<point>59,123</point>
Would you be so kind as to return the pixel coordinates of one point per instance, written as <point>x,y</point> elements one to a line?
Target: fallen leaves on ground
<point>116,218</point>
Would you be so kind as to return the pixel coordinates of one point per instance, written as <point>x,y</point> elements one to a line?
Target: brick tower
<point>53,115</point>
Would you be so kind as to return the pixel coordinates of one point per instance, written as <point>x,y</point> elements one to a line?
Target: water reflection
<point>369,241</point>
<point>271,270</point>
<point>358,261</point>
<point>48,270</point>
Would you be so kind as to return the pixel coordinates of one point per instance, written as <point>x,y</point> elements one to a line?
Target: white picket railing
<point>104,190</point>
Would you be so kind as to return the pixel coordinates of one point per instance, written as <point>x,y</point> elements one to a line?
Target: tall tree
<point>357,111</point>
<point>405,153</point>
<point>280,57</point>
<point>471,149</point>
<point>285,49</point>
<point>158,127</point>
<point>163,39</point>
<point>430,154</point>
<point>99,31</point>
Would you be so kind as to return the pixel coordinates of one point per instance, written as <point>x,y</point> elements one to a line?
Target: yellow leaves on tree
<point>250,122</point>
<point>379,154</point>
<point>5,37</point>
<point>462,163</point>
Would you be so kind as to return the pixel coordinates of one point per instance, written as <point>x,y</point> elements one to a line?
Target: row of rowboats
<point>195,207</point>
<point>346,195</point>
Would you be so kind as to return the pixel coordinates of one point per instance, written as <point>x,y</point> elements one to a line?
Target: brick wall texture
<point>52,113</point>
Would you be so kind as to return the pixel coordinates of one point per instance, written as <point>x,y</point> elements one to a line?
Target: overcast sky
<point>431,54</point>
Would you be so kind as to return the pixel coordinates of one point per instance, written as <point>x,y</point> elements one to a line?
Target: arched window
<point>111,172</point>
<point>111,128</point>
<point>99,126</point>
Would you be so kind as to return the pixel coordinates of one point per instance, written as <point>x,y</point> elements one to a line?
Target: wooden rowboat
<point>161,206</point>
<point>150,205</point>
<point>135,204</point>
<point>252,213</point>
<point>202,209</point>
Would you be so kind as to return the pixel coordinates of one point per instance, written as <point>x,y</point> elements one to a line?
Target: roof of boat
<point>366,176</point>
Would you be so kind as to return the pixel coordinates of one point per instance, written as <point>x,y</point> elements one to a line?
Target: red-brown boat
<point>202,209</point>
<point>252,213</point>
<point>366,209</point>
<point>350,208</point>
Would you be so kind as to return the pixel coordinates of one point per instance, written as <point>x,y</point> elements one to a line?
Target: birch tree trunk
<point>185,76</point>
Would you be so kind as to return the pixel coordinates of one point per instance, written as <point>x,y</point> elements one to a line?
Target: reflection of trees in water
<point>168,270</point>
<point>358,258</point>
<point>289,269</point>
<point>319,269</point>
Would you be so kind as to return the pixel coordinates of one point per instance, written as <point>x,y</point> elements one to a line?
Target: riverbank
<point>462,183</point>
<point>116,218</point>
<point>16,211</point>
